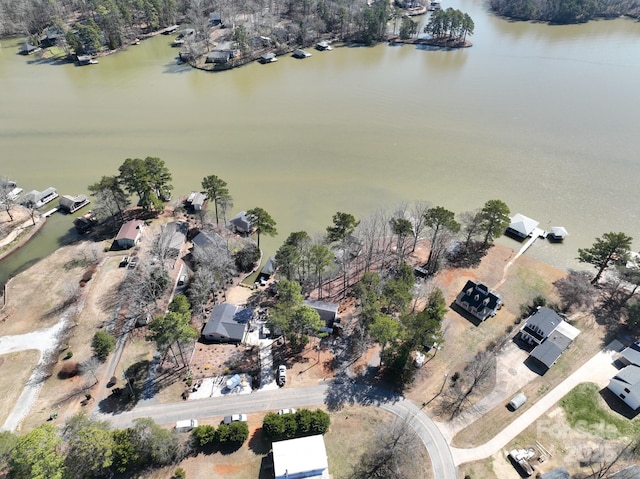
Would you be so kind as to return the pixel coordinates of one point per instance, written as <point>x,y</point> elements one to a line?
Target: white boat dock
<point>50,212</point>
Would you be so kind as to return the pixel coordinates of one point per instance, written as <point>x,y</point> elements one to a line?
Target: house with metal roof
<point>73,203</point>
<point>479,300</point>
<point>626,385</point>
<point>522,226</point>
<point>631,355</point>
<point>304,457</point>
<point>227,323</point>
<point>196,200</point>
<point>129,234</point>
<point>36,198</point>
<point>549,334</point>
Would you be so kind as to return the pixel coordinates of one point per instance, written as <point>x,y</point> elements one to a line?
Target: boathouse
<point>521,226</point>
<point>268,58</point>
<point>36,199</point>
<point>71,204</point>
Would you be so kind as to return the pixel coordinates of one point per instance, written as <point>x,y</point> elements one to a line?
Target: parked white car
<point>288,410</point>
<point>234,418</point>
<point>282,374</point>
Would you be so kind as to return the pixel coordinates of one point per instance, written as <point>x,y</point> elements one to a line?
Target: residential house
<point>304,457</point>
<point>328,311</point>
<point>549,334</point>
<point>479,300</point>
<point>557,473</point>
<point>196,200</point>
<point>522,226</point>
<point>129,234</point>
<point>631,355</point>
<point>241,224</point>
<point>28,49</point>
<point>626,385</point>
<point>51,36</point>
<point>219,56</point>
<point>227,323</point>
<point>73,203</point>
<point>36,199</point>
<point>173,237</point>
<point>206,239</point>
<point>215,18</point>
<point>267,270</point>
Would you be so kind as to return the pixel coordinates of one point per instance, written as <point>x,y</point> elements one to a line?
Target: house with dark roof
<point>227,323</point>
<point>522,226</point>
<point>129,234</point>
<point>267,270</point>
<point>626,385</point>
<point>206,239</point>
<point>240,223</point>
<point>549,334</point>
<point>328,311</point>
<point>479,300</point>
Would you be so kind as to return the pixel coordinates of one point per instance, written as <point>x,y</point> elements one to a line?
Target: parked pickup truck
<point>186,425</point>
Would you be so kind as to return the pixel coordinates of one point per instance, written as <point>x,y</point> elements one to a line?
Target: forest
<point>565,11</point>
<point>86,26</point>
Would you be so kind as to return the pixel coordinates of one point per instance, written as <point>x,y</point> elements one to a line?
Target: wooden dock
<point>50,212</point>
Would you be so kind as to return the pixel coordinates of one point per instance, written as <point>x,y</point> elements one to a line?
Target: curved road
<point>332,393</point>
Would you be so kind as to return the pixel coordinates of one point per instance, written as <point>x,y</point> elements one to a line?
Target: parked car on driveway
<point>234,418</point>
<point>282,374</point>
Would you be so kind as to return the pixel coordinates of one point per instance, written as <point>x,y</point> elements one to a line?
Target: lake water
<point>542,117</point>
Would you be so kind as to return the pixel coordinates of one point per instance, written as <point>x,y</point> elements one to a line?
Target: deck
<point>50,212</point>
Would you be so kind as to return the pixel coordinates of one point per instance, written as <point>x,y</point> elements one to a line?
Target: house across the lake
<point>549,334</point>
<point>479,300</point>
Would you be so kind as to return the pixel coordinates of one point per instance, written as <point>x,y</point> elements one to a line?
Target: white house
<point>301,458</point>
<point>626,385</point>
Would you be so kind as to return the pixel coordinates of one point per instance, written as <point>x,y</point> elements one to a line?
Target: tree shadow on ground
<point>229,448</point>
<point>266,467</point>
<point>258,443</point>
<point>469,257</point>
<point>126,397</point>
<point>344,391</point>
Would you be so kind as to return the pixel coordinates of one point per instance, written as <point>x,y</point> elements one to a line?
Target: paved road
<point>330,392</point>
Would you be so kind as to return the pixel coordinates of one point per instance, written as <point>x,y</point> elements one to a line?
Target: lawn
<point>586,410</point>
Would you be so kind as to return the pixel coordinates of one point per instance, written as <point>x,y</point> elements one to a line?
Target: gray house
<point>73,203</point>
<point>240,223</point>
<point>549,334</point>
<point>173,237</point>
<point>206,240</point>
<point>478,300</point>
<point>227,323</point>
<point>328,311</point>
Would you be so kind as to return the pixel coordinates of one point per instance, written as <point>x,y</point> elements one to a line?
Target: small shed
<point>517,401</point>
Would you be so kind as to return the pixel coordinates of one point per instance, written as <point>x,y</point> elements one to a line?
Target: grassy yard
<point>586,410</point>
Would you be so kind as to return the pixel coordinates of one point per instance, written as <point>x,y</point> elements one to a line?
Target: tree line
<point>86,27</point>
<point>450,23</point>
<point>565,11</point>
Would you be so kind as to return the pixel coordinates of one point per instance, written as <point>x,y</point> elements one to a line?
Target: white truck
<point>186,425</point>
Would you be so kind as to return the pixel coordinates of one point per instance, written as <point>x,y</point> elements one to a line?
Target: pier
<point>50,212</point>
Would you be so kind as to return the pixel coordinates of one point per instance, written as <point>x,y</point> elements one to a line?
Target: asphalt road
<point>329,394</point>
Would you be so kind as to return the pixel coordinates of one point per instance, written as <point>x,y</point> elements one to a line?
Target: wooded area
<point>565,11</point>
